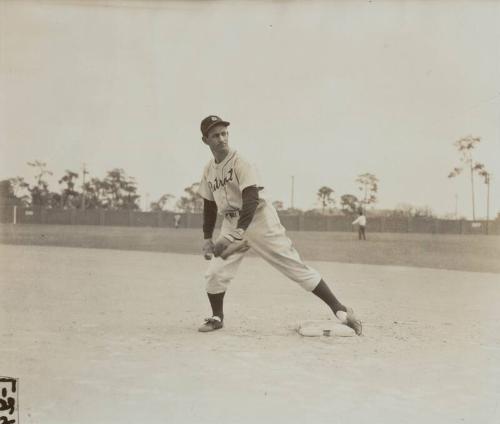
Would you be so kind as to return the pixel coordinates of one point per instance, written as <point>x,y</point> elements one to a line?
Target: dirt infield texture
<point>459,252</point>
<point>109,336</point>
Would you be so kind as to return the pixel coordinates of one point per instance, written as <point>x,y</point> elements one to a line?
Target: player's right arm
<point>209,219</point>
<point>209,215</point>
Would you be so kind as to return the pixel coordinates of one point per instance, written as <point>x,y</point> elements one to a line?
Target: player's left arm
<point>246,176</point>
<point>250,197</point>
<point>250,201</point>
<point>247,180</point>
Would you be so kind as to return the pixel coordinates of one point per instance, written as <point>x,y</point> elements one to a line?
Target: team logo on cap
<point>213,118</point>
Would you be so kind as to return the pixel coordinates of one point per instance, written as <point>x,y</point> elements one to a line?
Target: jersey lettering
<point>219,183</point>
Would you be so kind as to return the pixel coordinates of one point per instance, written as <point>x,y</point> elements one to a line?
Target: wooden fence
<point>21,215</point>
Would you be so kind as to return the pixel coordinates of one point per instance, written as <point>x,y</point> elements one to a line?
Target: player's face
<point>217,139</point>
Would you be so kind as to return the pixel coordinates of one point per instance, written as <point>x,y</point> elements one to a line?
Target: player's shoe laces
<point>353,322</point>
<point>211,324</point>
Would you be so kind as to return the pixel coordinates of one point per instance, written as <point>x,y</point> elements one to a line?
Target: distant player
<point>229,185</point>
<point>361,221</point>
<point>177,220</point>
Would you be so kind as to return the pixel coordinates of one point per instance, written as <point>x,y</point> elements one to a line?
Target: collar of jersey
<point>229,156</point>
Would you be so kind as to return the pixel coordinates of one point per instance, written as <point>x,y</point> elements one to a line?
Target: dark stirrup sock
<point>217,302</point>
<point>326,295</point>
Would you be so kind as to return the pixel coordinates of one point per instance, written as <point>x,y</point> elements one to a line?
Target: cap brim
<point>225,123</point>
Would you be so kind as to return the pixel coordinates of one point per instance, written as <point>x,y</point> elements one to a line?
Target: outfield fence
<point>304,222</point>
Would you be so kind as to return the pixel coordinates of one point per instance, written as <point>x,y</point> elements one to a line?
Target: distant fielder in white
<point>361,222</point>
<point>177,220</point>
<point>229,185</point>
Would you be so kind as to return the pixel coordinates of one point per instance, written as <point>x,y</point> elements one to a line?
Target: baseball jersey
<point>361,220</point>
<point>224,182</point>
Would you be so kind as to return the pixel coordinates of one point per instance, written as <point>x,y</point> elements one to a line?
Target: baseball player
<point>230,186</point>
<point>177,220</point>
<point>361,221</point>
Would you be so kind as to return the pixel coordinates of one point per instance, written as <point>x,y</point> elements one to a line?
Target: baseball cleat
<point>353,322</point>
<point>211,324</point>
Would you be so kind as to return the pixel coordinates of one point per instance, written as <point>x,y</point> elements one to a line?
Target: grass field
<point>109,335</point>
<point>459,252</point>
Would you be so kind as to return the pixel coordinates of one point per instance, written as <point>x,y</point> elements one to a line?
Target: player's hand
<point>208,249</point>
<point>220,246</point>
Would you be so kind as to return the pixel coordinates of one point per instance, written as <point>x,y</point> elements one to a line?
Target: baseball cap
<point>211,121</point>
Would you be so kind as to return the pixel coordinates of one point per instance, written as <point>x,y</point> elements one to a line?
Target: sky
<point>321,90</point>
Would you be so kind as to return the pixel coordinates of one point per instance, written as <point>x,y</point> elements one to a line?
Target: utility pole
<point>84,172</point>
<point>472,185</point>
<point>456,206</point>
<point>293,189</point>
<point>487,181</point>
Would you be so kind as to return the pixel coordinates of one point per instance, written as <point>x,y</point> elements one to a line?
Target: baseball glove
<point>231,243</point>
<point>235,246</point>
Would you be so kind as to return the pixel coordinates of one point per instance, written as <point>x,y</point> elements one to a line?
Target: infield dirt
<point>110,336</point>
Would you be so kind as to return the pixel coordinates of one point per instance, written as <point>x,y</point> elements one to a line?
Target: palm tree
<point>161,203</point>
<point>368,185</point>
<point>40,190</point>
<point>325,197</point>
<point>69,191</point>
<point>481,170</point>
<point>349,203</point>
<point>465,145</point>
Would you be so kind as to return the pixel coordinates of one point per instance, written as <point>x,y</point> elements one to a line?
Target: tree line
<point>117,190</point>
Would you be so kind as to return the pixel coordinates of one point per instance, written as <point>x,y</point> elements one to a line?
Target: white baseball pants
<point>267,237</point>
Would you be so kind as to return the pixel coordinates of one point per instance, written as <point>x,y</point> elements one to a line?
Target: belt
<point>232,214</point>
